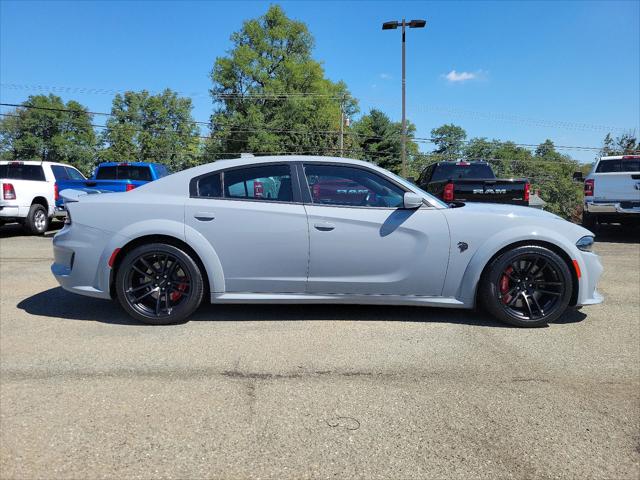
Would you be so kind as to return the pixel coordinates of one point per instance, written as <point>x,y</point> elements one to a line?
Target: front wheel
<point>528,286</point>
<point>159,284</point>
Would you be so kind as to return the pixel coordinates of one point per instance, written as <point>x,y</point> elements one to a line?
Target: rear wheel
<point>159,284</point>
<point>528,286</point>
<point>37,220</point>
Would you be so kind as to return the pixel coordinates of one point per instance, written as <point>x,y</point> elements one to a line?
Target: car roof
<point>33,162</point>
<point>134,164</point>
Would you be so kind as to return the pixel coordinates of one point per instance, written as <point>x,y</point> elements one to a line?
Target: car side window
<point>209,186</point>
<point>265,182</point>
<point>351,186</point>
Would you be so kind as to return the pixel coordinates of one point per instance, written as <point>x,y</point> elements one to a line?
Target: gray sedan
<point>300,229</point>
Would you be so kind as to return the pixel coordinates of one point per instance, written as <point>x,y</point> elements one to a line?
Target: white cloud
<point>459,77</point>
<point>385,76</point>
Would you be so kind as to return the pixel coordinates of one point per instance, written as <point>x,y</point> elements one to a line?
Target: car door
<point>257,225</point>
<point>363,242</point>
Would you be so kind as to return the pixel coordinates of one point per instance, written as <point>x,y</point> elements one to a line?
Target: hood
<point>509,210</point>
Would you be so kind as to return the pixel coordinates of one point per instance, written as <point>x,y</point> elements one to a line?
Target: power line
<point>291,131</point>
<point>503,117</point>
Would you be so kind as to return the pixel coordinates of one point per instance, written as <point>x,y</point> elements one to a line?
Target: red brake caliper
<point>175,296</point>
<point>504,286</point>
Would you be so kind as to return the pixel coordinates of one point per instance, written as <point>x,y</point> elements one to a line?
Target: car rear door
<point>259,234</point>
<point>363,242</point>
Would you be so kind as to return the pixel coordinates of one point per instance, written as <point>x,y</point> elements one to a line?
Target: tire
<point>529,286</point>
<point>589,221</point>
<point>159,284</point>
<point>37,221</point>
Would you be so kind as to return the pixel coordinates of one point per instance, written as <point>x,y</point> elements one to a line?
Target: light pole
<point>393,26</point>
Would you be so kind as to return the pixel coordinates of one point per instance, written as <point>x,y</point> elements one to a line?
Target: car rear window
<point>451,171</point>
<point>20,171</point>
<point>124,172</point>
<point>619,165</point>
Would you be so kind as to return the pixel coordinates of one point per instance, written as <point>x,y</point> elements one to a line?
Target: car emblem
<point>638,186</point>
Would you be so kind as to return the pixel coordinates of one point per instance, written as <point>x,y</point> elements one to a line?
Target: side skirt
<point>297,298</point>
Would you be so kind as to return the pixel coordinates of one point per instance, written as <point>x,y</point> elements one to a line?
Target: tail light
<point>258,189</point>
<point>527,190</point>
<point>8,193</point>
<point>129,187</point>
<point>447,195</point>
<point>56,193</point>
<point>589,186</point>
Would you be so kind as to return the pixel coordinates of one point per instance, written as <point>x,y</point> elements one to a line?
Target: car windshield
<point>450,171</point>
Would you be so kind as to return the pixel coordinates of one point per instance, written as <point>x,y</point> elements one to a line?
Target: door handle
<point>324,226</point>
<point>204,216</point>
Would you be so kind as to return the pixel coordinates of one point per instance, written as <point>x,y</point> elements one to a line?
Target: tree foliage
<point>380,140</point>
<point>270,95</point>
<point>151,128</point>
<point>624,144</point>
<point>48,129</point>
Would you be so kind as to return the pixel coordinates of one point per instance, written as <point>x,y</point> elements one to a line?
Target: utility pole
<point>341,128</point>
<point>393,26</point>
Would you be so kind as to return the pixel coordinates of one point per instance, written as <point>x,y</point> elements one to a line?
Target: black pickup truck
<point>472,182</point>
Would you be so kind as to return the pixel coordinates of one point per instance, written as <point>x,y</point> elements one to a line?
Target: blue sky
<point>523,71</point>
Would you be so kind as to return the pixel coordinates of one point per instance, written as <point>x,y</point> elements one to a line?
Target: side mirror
<point>412,201</point>
<point>577,177</point>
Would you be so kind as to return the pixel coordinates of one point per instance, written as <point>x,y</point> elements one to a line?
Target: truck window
<point>451,171</point>
<point>20,171</point>
<point>59,172</point>
<point>619,165</point>
<point>124,172</point>
<point>74,174</point>
<point>161,171</point>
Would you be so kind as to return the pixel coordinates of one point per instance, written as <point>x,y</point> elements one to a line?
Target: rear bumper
<point>622,207</point>
<point>80,261</point>
<point>13,211</point>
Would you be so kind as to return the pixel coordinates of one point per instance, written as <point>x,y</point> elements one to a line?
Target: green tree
<point>380,140</point>
<point>48,129</point>
<point>449,141</point>
<point>624,144</point>
<point>270,95</point>
<point>152,128</point>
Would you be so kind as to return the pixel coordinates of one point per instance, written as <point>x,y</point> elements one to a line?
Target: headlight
<point>585,243</point>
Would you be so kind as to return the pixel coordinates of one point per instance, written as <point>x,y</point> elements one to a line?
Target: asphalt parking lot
<point>314,391</point>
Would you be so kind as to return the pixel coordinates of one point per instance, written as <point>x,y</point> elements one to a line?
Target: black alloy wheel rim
<point>531,287</point>
<point>156,284</point>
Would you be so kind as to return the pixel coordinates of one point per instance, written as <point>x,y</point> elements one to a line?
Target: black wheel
<point>589,220</point>
<point>528,286</point>
<point>159,284</point>
<point>37,220</point>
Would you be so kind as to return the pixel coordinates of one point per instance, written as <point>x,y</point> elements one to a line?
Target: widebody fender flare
<point>180,231</point>
<point>467,288</point>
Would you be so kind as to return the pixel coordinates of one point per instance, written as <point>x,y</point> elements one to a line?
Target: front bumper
<point>591,270</point>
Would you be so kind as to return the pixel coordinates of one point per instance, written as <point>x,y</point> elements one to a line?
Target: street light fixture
<point>392,26</point>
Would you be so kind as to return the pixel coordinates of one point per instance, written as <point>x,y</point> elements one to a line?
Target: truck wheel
<point>589,220</point>
<point>159,284</point>
<point>528,286</point>
<point>37,220</point>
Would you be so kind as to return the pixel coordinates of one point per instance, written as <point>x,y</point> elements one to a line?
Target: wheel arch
<point>561,252</point>
<point>40,200</point>
<point>159,238</point>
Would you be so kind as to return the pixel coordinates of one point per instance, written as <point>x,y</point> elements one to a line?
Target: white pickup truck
<point>29,192</point>
<point>612,191</point>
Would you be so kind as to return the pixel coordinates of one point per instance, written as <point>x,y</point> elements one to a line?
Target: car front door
<point>363,242</point>
<point>257,226</point>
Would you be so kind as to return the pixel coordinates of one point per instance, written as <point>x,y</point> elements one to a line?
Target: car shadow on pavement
<point>58,303</point>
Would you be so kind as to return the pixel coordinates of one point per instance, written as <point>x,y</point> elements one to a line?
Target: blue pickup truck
<point>109,177</point>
